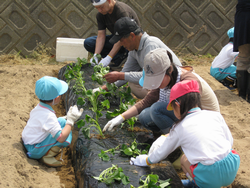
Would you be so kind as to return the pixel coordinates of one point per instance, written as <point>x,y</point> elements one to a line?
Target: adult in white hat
<point>160,74</point>
<point>109,11</point>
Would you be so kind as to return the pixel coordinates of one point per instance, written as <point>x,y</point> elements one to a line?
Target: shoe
<point>117,67</point>
<point>231,88</point>
<point>49,159</point>
<point>189,184</point>
<point>230,83</point>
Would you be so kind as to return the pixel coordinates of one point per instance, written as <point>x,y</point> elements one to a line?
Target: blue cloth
<point>221,173</point>
<point>89,44</point>
<point>188,184</point>
<point>39,150</point>
<point>48,88</point>
<point>220,74</point>
<point>230,33</point>
<point>157,117</point>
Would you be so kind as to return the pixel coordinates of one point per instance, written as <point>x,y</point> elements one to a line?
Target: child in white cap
<point>223,68</point>
<point>45,134</point>
<point>209,160</point>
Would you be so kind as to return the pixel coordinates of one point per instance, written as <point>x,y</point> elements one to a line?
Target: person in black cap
<point>109,11</point>
<point>139,43</point>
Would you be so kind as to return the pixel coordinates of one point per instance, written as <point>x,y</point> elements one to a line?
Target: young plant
<point>97,107</point>
<point>99,72</point>
<point>74,72</point>
<point>133,151</point>
<point>112,174</point>
<point>99,57</point>
<point>130,151</point>
<point>126,100</point>
<point>152,181</point>
<point>103,155</point>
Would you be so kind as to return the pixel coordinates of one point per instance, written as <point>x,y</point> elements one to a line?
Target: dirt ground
<point>17,99</point>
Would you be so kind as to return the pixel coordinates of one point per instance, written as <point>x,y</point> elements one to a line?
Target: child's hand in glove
<point>73,115</point>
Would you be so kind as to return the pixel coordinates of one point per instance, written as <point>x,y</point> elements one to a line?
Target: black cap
<point>123,26</point>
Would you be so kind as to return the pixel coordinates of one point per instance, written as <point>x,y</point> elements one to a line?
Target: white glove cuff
<point>120,118</point>
<point>70,122</point>
<point>109,57</point>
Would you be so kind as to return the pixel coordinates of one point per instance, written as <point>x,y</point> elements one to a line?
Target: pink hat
<point>182,88</point>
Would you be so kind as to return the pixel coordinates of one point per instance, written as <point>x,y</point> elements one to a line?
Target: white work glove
<point>113,122</point>
<point>139,160</point>
<point>157,143</point>
<point>94,60</point>
<point>73,115</point>
<point>95,90</point>
<point>105,61</point>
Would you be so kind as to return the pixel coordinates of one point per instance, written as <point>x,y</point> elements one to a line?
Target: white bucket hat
<point>98,2</point>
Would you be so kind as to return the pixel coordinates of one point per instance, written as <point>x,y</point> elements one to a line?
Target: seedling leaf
<point>80,101</point>
<point>80,123</point>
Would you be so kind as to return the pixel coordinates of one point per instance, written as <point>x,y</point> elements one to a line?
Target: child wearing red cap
<point>45,134</point>
<point>204,137</point>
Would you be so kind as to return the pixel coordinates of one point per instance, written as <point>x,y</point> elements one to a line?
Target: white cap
<point>156,62</point>
<point>100,2</point>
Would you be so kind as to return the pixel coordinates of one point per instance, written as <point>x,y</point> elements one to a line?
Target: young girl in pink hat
<point>208,160</point>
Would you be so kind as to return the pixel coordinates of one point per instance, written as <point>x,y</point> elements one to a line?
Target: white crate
<point>69,49</point>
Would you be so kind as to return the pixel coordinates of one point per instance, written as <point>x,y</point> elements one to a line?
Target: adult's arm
<point>131,65</point>
<point>101,37</point>
<point>131,112</point>
<point>148,100</point>
<point>115,49</point>
<point>139,106</point>
<point>113,76</point>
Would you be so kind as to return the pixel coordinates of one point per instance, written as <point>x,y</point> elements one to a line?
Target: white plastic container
<point>69,49</point>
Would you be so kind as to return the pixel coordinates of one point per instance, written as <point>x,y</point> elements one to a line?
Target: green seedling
<point>124,150</point>
<point>133,151</point>
<point>99,72</point>
<point>112,174</point>
<point>126,99</point>
<point>99,57</point>
<point>97,107</point>
<point>152,181</point>
<point>74,72</point>
<point>103,155</point>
